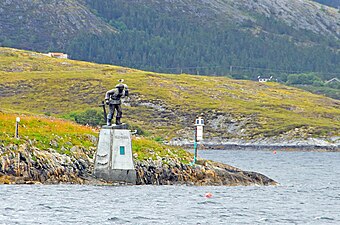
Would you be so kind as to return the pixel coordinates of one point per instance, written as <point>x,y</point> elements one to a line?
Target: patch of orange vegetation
<point>42,123</point>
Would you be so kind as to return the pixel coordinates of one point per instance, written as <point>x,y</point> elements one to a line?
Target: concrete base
<point>114,126</point>
<point>113,161</point>
<point>128,176</point>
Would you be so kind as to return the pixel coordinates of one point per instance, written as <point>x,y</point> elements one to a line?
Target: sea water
<point>309,193</point>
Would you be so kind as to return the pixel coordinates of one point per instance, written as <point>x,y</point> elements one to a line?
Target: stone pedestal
<point>113,161</point>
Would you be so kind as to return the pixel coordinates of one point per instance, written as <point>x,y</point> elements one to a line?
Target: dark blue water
<point>309,193</point>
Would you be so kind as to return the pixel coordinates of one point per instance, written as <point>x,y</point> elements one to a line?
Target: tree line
<point>161,42</point>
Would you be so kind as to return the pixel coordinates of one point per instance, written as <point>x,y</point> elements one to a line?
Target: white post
<point>17,120</point>
<point>18,165</point>
<point>199,123</point>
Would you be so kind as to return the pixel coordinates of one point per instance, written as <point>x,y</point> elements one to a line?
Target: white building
<point>264,79</point>
<point>58,55</point>
<point>333,80</point>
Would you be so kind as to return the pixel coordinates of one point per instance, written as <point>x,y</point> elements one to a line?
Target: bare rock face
<point>29,165</point>
<point>299,14</point>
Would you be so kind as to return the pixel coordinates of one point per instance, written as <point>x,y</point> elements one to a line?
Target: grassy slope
<point>48,132</point>
<point>33,83</point>
<point>41,130</point>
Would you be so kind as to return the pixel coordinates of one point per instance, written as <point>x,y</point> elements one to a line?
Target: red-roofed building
<point>58,55</point>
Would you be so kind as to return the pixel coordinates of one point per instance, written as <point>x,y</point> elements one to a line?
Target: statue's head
<point>120,86</point>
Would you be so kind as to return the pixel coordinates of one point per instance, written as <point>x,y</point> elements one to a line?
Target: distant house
<point>264,79</point>
<point>333,80</point>
<point>58,55</point>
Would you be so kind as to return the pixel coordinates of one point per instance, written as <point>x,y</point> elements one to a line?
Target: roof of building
<point>57,53</point>
<point>333,80</point>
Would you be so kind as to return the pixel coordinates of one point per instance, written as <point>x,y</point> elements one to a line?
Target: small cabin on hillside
<point>264,79</point>
<point>58,55</point>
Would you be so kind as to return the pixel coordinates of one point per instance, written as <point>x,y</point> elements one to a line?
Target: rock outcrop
<point>170,172</point>
<point>310,144</point>
<point>300,14</point>
<point>28,165</point>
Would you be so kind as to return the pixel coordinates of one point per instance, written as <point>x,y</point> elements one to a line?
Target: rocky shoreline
<point>307,148</point>
<point>26,164</point>
<point>172,172</point>
<point>310,144</point>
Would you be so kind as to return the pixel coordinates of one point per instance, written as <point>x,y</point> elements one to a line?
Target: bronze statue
<point>113,99</point>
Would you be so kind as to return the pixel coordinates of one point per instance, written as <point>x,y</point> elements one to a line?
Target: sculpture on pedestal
<point>113,160</point>
<point>113,99</point>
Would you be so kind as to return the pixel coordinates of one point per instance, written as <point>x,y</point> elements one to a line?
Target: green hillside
<point>193,37</point>
<point>164,105</point>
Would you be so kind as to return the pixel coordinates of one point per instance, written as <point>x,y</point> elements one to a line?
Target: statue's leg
<point>119,114</point>
<point>110,115</point>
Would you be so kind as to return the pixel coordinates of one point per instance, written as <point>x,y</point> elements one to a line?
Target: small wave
<point>113,219</point>
<point>45,206</point>
<point>207,202</point>
<point>116,220</point>
<point>142,218</point>
<point>323,218</point>
<point>9,209</point>
<point>224,216</point>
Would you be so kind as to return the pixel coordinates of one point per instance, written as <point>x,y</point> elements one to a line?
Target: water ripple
<point>308,194</point>
<point>324,218</point>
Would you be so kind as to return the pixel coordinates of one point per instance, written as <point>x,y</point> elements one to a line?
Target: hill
<point>166,105</point>
<point>46,25</point>
<point>241,39</point>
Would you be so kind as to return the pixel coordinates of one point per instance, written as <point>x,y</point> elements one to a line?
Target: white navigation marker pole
<point>199,124</point>
<point>17,120</point>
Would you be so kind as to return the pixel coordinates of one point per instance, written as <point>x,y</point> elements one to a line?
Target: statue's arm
<point>126,90</point>
<point>108,93</point>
